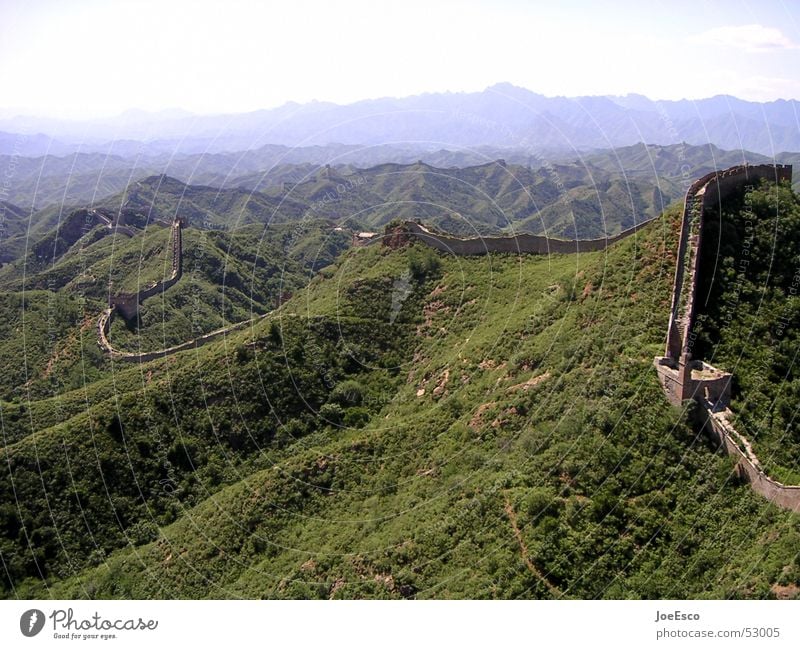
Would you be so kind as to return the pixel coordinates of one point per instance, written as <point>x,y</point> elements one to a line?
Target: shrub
<point>348,392</point>
<point>332,412</point>
<point>356,417</point>
<point>423,263</point>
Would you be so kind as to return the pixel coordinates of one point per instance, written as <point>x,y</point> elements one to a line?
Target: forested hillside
<point>409,424</point>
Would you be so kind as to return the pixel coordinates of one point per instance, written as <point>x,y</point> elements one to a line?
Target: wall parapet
<point>708,191</point>
<point>128,305</point>
<point>748,468</point>
<point>104,323</point>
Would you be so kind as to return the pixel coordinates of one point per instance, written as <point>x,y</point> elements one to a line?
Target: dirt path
<point>512,517</point>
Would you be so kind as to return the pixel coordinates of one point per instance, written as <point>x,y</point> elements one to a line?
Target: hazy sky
<point>85,58</point>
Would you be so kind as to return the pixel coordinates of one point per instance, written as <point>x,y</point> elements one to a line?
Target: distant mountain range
<point>79,179</point>
<point>500,116</point>
<point>587,196</point>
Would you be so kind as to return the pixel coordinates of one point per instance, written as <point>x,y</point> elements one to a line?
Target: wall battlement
<point>683,378</point>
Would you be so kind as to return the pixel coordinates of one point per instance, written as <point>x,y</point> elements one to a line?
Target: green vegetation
<point>229,277</point>
<point>749,322</point>
<point>409,424</point>
<point>48,338</point>
<point>567,201</point>
<point>47,344</point>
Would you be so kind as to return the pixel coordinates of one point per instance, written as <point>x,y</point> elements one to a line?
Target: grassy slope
<point>96,260</point>
<point>540,411</point>
<point>47,344</point>
<point>228,277</point>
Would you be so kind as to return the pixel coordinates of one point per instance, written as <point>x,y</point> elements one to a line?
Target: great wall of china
<point>686,379</point>
<point>115,225</point>
<point>682,378</point>
<point>127,305</point>
<point>520,243</point>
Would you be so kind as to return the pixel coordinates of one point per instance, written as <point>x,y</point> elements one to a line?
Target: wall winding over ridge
<point>128,303</point>
<point>684,378</point>
<point>520,243</point>
<point>104,323</point>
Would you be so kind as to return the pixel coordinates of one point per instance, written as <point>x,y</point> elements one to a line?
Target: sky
<point>95,58</point>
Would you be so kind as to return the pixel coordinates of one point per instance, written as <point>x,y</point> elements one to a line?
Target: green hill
<point>49,335</point>
<point>409,424</point>
<point>164,198</point>
<point>564,201</point>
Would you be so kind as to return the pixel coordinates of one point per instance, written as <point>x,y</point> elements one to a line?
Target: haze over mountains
<point>320,408</point>
<point>503,115</point>
<point>78,179</point>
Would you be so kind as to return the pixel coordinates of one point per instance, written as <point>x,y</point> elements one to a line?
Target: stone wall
<point>747,468</point>
<point>127,304</point>
<point>685,379</point>
<point>709,191</point>
<point>104,323</point>
<point>520,243</point>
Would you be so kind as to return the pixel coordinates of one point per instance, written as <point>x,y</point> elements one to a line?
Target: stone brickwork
<point>747,466</point>
<point>687,379</point>
<point>683,378</point>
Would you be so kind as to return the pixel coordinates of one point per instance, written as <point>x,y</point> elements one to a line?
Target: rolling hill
<point>408,425</point>
<point>89,178</point>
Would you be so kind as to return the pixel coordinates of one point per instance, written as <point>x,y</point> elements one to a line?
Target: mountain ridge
<point>501,114</point>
